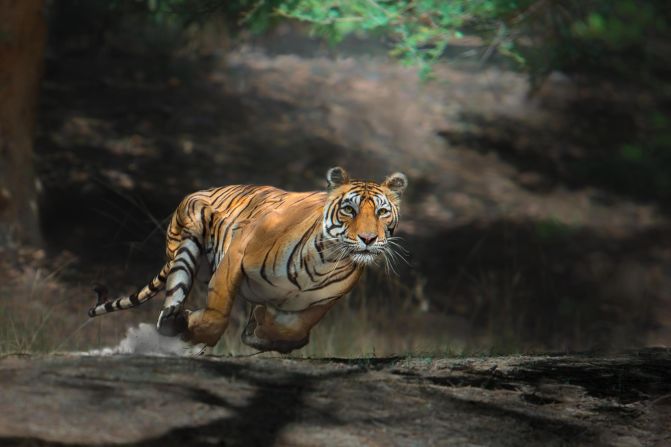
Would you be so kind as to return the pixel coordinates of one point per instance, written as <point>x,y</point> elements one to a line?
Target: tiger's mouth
<point>356,253</point>
<point>364,257</point>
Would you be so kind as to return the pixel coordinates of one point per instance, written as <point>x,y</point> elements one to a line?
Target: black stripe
<point>224,196</point>
<point>209,225</point>
<point>185,268</point>
<point>260,206</point>
<point>212,191</point>
<point>293,275</point>
<point>249,202</point>
<point>217,196</point>
<point>306,197</point>
<point>195,241</point>
<point>202,224</point>
<point>307,270</point>
<point>179,220</point>
<point>317,243</point>
<point>335,205</point>
<point>179,286</point>
<point>333,281</point>
<point>186,250</point>
<point>183,265</point>
<point>216,235</point>
<point>109,307</point>
<point>134,299</point>
<point>194,200</point>
<point>263,266</point>
<point>243,272</point>
<point>239,193</point>
<point>318,302</point>
<point>333,271</point>
<point>222,237</point>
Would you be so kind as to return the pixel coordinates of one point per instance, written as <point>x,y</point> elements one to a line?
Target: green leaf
<point>596,23</point>
<point>631,152</point>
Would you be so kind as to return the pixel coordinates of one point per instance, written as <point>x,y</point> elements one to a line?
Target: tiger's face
<point>360,217</point>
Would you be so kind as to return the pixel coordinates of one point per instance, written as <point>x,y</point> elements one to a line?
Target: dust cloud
<point>145,340</point>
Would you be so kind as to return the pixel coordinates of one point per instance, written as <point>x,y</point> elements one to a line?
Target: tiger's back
<point>280,267</point>
<point>214,216</point>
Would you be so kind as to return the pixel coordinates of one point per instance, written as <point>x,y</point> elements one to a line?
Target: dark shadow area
<point>140,146</point>
<point>586,133</point>
<point>534,284</point>
<point>635,376</point>
<point>277,403</point>
<point>554,430</point>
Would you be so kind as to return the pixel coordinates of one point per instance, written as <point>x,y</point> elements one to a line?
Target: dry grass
<point>42,310</point>
<point>34,312</point>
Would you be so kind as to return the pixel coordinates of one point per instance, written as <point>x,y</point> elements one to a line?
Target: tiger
<point>292,255</point>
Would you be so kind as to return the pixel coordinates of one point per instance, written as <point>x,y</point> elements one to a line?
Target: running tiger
<point>291,254</point>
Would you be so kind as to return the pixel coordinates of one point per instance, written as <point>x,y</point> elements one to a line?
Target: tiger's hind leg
<point>208,325</point>
<point>173,318</point>
<point>269,329</point>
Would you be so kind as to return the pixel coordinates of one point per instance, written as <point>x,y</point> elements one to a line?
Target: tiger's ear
<point>396,182</point>
<point>336,177</point>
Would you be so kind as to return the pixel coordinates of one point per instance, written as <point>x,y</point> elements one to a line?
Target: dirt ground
<point>509,248</point>
<point>619,400</point>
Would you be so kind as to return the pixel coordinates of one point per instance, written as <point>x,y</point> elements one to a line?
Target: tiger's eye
<point>382,212</point>
<point>348,209</point>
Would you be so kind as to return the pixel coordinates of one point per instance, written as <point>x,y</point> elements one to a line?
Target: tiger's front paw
<point>172,321</point>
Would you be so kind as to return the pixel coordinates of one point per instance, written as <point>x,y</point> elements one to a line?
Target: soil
<point>580,400</point>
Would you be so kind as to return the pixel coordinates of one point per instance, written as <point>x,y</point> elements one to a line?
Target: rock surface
<point>619,400</point>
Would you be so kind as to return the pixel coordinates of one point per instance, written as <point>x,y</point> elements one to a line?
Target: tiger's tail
<point>104,305</point>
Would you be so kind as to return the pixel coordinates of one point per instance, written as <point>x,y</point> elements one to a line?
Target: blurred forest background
<point>535,134</point>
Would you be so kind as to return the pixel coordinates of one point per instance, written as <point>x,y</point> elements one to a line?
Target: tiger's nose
<point>368,238</point>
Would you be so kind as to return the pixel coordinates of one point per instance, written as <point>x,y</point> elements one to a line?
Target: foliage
<point>538,35</point>
<point>641,164</point>
<point>420,30</point>
<point>621,38</point>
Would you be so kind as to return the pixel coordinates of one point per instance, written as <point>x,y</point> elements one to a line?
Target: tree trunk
<point>22,40</point>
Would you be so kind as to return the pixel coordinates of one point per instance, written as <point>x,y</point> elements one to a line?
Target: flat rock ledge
<point>66,399</point>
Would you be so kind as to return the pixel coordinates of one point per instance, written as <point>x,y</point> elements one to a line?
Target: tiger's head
<point>360,216</point>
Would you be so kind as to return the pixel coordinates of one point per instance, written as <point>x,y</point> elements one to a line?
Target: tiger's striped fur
<point>291,254</point>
